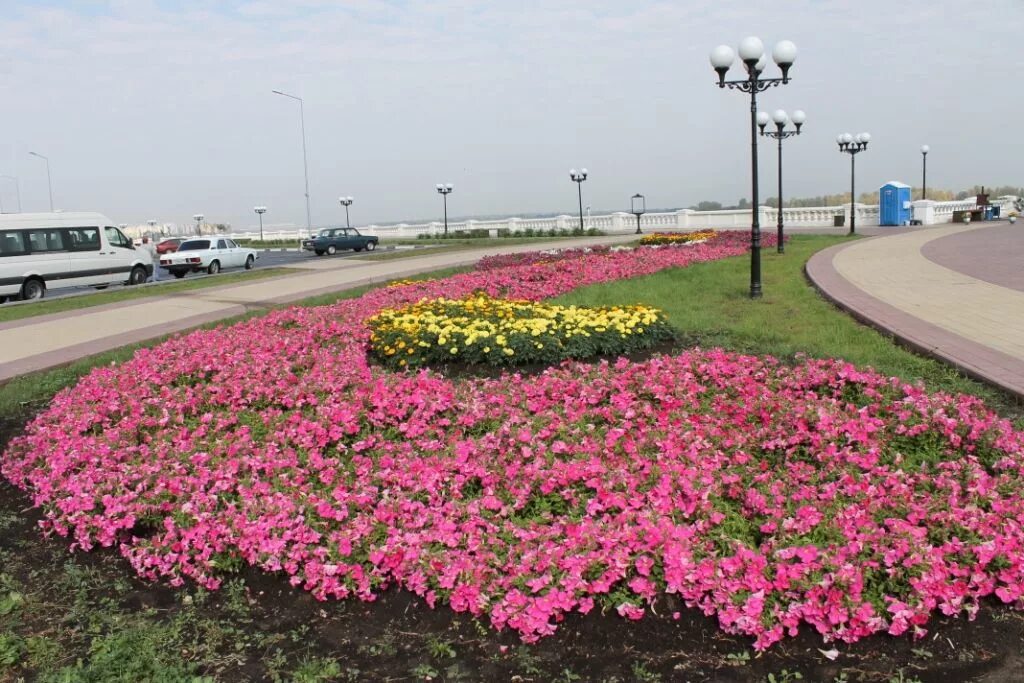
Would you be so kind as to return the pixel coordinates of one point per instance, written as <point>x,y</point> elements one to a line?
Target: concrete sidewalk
<point>51,340</point>
<point>963,306</point>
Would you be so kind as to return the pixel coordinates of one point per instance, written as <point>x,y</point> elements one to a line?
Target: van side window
<point>45,240</point>
<point>82,239</point>
<point>116,237</point>
<point>12,243</point>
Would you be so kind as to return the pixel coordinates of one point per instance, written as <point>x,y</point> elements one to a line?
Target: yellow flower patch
<point>659,238</point>
<point>480,329</point>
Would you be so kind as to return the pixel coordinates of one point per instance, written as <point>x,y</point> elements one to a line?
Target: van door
<point>87,265</point>
<point>120,254</point>
<point>47,256</point>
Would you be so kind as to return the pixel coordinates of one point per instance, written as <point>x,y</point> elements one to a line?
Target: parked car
<point>332,240</point>
<point>41,251</point>
<point>211,254</point>
<point>169,245</point>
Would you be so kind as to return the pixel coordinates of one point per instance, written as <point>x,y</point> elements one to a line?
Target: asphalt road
<point>267,259</point>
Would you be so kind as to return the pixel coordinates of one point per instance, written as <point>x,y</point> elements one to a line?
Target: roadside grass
<point>10,312</point>
<point>709,305</point>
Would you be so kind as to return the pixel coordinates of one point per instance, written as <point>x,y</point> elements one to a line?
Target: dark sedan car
<point>332,240</point>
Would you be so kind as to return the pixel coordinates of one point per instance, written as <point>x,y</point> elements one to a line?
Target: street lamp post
<point>17,192</point>
<point>260,210</point>
<point>346,202</point>
<point>305,164</point>
<point>924,170</point>
<point>152,225</point>
<point>579,178</point>
<point>49,183</point>
<point>638,207</point>
<point>781,118</point>
<point>853,145</point>
<point>198,218</point>
<point>444,190</point>
<point>751,52</point>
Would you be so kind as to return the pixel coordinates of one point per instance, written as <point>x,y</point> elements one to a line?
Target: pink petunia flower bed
<point>769,495</point>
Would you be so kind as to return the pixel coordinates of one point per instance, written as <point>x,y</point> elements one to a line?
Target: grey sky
<point>160,109</point>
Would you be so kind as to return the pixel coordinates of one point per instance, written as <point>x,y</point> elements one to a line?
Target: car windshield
<point>194,245</point>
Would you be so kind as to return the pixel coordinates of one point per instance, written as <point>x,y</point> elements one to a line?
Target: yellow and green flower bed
<point>660,238</point>
<point>482,330</point>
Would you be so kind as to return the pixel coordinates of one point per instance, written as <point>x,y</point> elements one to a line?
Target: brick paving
<point>923,287</point>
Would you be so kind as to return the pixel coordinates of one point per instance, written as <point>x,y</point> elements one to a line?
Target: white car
<point>210,254</point>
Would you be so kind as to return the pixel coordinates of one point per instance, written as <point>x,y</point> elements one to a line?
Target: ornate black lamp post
<point>853,145</point>
<point>346,202</point>
<point>751,52</point>
<point>444,190</point>
<point>924,170</point>
<point>260,210</point>
<point>638,207</point>
<point>579,177</point>
<point>781,119</point>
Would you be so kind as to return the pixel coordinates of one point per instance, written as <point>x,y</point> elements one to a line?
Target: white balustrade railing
<point>682,220</point>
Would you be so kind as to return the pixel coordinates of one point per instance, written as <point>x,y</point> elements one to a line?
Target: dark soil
<point>262,629</point>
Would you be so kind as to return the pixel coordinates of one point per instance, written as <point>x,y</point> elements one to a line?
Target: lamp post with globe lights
<point>579,177</point>
<point>638,207</point>
<point>781,118</point>
<point>260,210</point>
<point>198,218</point>
<point>751,53</point>
<point>346,202</point>
<point>924,170</point>
<point>445,189</point>
<point>853,145</point>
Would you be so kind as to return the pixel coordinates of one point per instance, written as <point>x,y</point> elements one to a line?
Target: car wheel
<point>332,250</point>
<point>249,262</point>
<point>3,299</point>
<point>357,248</point>
<point>370,246</point>
<point>214,268</point>
<point>33,289</point>
<point>319,252</point>
<point>178,274</point>
<point>101,287</point>
<point>138,276</point>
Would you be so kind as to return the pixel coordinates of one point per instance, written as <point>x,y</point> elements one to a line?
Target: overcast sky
<point>162,109</point>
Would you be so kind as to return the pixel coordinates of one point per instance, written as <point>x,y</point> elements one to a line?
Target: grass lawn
<point>69,303</point>
<point>86,617</point>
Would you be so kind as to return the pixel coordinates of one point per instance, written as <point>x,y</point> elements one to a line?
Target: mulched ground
<point>399,638</point>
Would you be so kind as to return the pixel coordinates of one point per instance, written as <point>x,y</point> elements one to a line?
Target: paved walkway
<point>954,292</point>
<point>57,339</point>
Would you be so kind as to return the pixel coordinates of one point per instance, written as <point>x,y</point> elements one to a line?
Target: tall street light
<point>579,178</point>
<point>924,170</point>
<point>781,118</point>
<point>49,183</point>
<point>198,218</point>
<point>305,165</point>
<point>346,202</point>
<point>152,225</point>
<point>260,210</point>
<point>17,191</point>
<point>444,190</point>
<point>751,51</point>
<point>853,145</point>
<point>638,207</point>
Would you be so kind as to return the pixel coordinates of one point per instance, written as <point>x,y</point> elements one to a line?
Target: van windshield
<point>194,245</point>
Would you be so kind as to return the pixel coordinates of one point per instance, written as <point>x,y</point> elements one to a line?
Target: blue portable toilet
<point>894,204</point>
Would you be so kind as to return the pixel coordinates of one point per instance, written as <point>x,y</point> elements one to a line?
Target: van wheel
<point>138,276</point>
<point>370,246</point>
<point>214,268</point>
<point>33,289</point>
<point>332,250</point>
<point>249,262</point>
<point>3,299</point>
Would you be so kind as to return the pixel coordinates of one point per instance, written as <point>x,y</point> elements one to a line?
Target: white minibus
<point>41,251</point>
